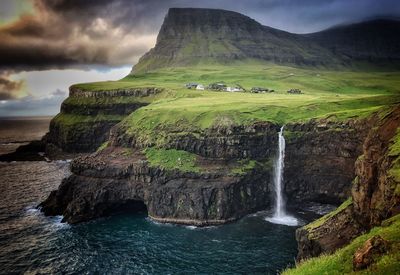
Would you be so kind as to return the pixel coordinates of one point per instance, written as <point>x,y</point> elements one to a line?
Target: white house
<point>233,89</point>
<point>200,87</point>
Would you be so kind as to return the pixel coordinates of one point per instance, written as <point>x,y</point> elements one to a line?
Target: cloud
<point>65,34</point>
<point>31,106</point>
<point>9,89</point>
<point>73,33</point>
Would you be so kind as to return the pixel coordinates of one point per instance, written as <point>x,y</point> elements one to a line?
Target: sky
<point>48,45</point>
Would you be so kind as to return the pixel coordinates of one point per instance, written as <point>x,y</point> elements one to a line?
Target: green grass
<point>171,159</point>
<point>394,171</point>
<point>103,146</point>
<point>323,219</point>
<point>336,94</point>
<point>244,166</point>
<point>72,119</point>
<point>340,262</point>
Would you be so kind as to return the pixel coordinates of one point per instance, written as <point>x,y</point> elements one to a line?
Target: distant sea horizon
<point>26,117</point>
<point>19,130</point>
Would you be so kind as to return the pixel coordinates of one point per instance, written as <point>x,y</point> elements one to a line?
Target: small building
<point>234,89</point>
<point>294,91</point>
<point>217,87</point>
<point>200,87</point>
<point>261,90</point>
<point>191,85</point>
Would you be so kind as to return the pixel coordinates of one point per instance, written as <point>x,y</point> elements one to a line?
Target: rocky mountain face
<point>195,36</point>
<point>200,36</point>
<point>376,41</point>
<point>375,192</point>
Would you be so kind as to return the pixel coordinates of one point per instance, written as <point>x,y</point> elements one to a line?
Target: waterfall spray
<point>280,216</point>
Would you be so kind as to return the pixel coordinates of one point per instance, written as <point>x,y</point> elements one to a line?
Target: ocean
<point>31,243</point>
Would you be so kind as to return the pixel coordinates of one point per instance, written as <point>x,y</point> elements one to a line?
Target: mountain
<point>191,36</point>
<point>375,41</point>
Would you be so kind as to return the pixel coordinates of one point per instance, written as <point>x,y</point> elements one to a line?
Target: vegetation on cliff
<point>172,159</point>
<point>341,262</point>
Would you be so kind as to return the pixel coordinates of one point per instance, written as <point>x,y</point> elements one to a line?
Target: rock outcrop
<point>87,116</point>
<point>375,194</point>
<point>372,249</point>
<point>107,182</point>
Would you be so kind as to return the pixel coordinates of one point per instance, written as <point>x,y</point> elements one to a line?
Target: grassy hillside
<point>338,94</point>
<point>341,261</point>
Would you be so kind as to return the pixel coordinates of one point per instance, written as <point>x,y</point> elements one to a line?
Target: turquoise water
<point>125,244</point>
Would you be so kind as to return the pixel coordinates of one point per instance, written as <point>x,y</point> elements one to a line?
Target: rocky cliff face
<point>110,181</point>
<point>86,117</point>
<point>375,192</point>
<point>115,179</point>
<point>217,142</point>
<point>320,157</point>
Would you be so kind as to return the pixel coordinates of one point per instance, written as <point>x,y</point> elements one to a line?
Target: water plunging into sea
<point>280,216</point>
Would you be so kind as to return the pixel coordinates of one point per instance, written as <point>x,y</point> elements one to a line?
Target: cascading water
<point>280,216</point>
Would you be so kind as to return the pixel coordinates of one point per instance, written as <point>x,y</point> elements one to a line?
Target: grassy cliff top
<point>338,94</point>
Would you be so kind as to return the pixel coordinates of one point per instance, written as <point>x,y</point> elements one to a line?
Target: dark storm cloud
<point>65,33</point>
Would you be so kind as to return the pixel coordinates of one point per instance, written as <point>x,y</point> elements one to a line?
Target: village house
<point>200,87</point>
<point>257,90</point>
<point>294,91</point>
<point>217,87</point>
<point>191,85</point>
<point>234,89</point>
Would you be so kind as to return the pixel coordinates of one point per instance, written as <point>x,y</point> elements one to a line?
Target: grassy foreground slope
<point>341,262</point>
<point>339,94</point>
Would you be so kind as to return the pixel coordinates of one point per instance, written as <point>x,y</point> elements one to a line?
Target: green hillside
<point>334,94</point>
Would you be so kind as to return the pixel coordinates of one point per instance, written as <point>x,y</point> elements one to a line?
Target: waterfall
<point>280,216</point>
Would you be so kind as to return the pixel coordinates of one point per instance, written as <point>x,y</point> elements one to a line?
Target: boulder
<point>369,252</point>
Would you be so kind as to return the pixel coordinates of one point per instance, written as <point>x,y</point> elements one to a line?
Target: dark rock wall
<point>101,183</point>
<point>374,195</point>
<point>320,157</point>
<point>256,141</point>
<point>110,180</point>
<point>376,191</point>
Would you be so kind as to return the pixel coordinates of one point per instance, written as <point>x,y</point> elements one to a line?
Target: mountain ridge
<point>191,36</point>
